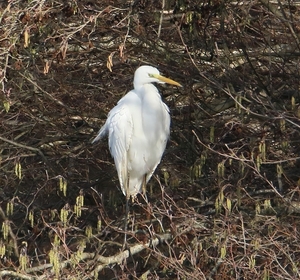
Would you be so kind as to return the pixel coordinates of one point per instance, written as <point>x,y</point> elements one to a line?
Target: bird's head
<point>147,74</point>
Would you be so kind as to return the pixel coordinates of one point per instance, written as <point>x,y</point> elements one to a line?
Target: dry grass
<point>224,203</point>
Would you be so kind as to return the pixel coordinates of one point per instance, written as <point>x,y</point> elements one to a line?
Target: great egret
<point>138,128</point>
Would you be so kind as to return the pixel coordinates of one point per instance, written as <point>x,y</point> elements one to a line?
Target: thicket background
<point>224,202</point>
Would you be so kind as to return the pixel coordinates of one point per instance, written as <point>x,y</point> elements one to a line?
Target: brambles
<point>227,205</point>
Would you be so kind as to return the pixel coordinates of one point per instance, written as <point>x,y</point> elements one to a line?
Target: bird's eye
<point>150,75</point>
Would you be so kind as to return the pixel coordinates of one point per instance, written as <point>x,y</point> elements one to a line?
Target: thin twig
<point>24,147</point>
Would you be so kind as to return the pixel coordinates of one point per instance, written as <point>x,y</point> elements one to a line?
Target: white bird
<point>138,128</point>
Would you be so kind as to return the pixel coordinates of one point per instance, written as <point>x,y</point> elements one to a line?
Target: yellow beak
<point>166,80</point>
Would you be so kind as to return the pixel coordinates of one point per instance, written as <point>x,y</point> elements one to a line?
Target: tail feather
<point>101,134</point>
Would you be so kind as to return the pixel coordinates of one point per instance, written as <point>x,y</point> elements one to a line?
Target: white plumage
<point>138,128</point>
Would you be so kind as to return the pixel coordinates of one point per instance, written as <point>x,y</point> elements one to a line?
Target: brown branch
<point>24,147</point>
<point>105,261</point>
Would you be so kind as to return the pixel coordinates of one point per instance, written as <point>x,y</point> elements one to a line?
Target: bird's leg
<point>144,187</point>
<point>126,221</point>
<point>144,195</point>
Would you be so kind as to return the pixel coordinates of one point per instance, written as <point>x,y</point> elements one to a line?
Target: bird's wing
<point>113,114</point>
<point>120,128</point>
